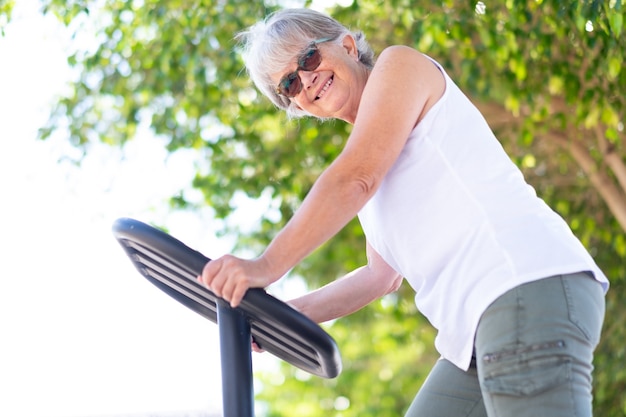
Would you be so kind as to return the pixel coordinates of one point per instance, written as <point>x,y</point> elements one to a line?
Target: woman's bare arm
<point>351,292</point>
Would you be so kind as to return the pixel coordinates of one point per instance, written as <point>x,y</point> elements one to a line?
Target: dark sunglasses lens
<point>311,60</point>
<point>290,85</point>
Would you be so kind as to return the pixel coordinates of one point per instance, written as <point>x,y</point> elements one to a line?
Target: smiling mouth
<point>323,90</point>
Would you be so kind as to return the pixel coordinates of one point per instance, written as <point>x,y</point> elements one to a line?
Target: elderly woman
<point>517,301</point>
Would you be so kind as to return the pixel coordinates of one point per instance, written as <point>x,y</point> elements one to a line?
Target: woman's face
<point>333,89</point>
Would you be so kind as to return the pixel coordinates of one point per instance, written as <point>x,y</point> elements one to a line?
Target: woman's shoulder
<point>402,52</point>
<point>411,61</point>
<point>409,67</point>
<point>399,49</point>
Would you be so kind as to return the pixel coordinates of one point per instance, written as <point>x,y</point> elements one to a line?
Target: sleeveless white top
<point>456,218</point>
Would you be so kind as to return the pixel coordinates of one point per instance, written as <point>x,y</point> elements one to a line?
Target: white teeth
<point>328,83</point>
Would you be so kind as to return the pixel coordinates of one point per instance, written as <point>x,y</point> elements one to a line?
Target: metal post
<point>236,362</point>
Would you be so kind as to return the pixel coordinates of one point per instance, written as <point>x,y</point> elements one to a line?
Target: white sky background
<point>81,332</point>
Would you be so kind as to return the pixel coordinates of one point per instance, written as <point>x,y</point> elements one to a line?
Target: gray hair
<point>270,46</point>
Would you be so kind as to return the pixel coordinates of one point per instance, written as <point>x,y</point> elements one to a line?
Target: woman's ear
<point>349,44</point>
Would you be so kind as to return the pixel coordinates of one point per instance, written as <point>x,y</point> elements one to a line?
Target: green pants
<point>534,351</point>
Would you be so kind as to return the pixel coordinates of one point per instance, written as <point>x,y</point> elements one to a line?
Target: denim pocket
<point>585,304</point>
<point>530,377</point>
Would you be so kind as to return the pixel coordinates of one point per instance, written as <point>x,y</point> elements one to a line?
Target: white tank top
<point>456,218</point>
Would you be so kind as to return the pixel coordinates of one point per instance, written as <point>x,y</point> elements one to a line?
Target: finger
<point>206,275</point>
<point>202,281</point>
<point>234,299</point>
<point>214,278</point>
<point>234,287</point>
<point>238,294</point>
<point>227,287</point>
<point>256,346</point>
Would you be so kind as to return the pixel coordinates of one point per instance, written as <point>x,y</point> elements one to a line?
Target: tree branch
<point>497,115</point>
<point>612,195</point>
<point>612,158</point>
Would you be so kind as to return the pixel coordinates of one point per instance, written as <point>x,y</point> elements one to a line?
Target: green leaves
<point>6,9</point>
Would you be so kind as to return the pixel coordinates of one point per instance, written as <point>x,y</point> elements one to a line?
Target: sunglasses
<point>291,84</point>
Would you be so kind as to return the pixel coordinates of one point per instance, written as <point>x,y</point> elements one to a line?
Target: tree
<point>548,75</point>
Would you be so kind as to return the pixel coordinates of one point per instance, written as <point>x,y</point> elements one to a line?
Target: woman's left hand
<point>230,277</point>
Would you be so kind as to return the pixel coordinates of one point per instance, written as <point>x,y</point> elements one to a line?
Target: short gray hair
<point>269,46</point>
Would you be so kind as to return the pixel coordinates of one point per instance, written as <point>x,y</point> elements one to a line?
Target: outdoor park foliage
<point>548,75</point>
<point>6,10</point>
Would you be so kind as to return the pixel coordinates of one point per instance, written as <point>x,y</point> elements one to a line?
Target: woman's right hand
<point>230,277</point>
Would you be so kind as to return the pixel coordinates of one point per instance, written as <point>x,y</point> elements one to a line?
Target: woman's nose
<point>309,78</point>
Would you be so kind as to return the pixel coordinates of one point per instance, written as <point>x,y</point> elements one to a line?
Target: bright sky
<point>81,332</point>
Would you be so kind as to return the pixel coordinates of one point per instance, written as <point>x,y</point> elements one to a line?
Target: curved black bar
<point>277,328</point>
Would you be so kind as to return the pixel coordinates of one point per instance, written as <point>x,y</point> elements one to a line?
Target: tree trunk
<point>613,196</point>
